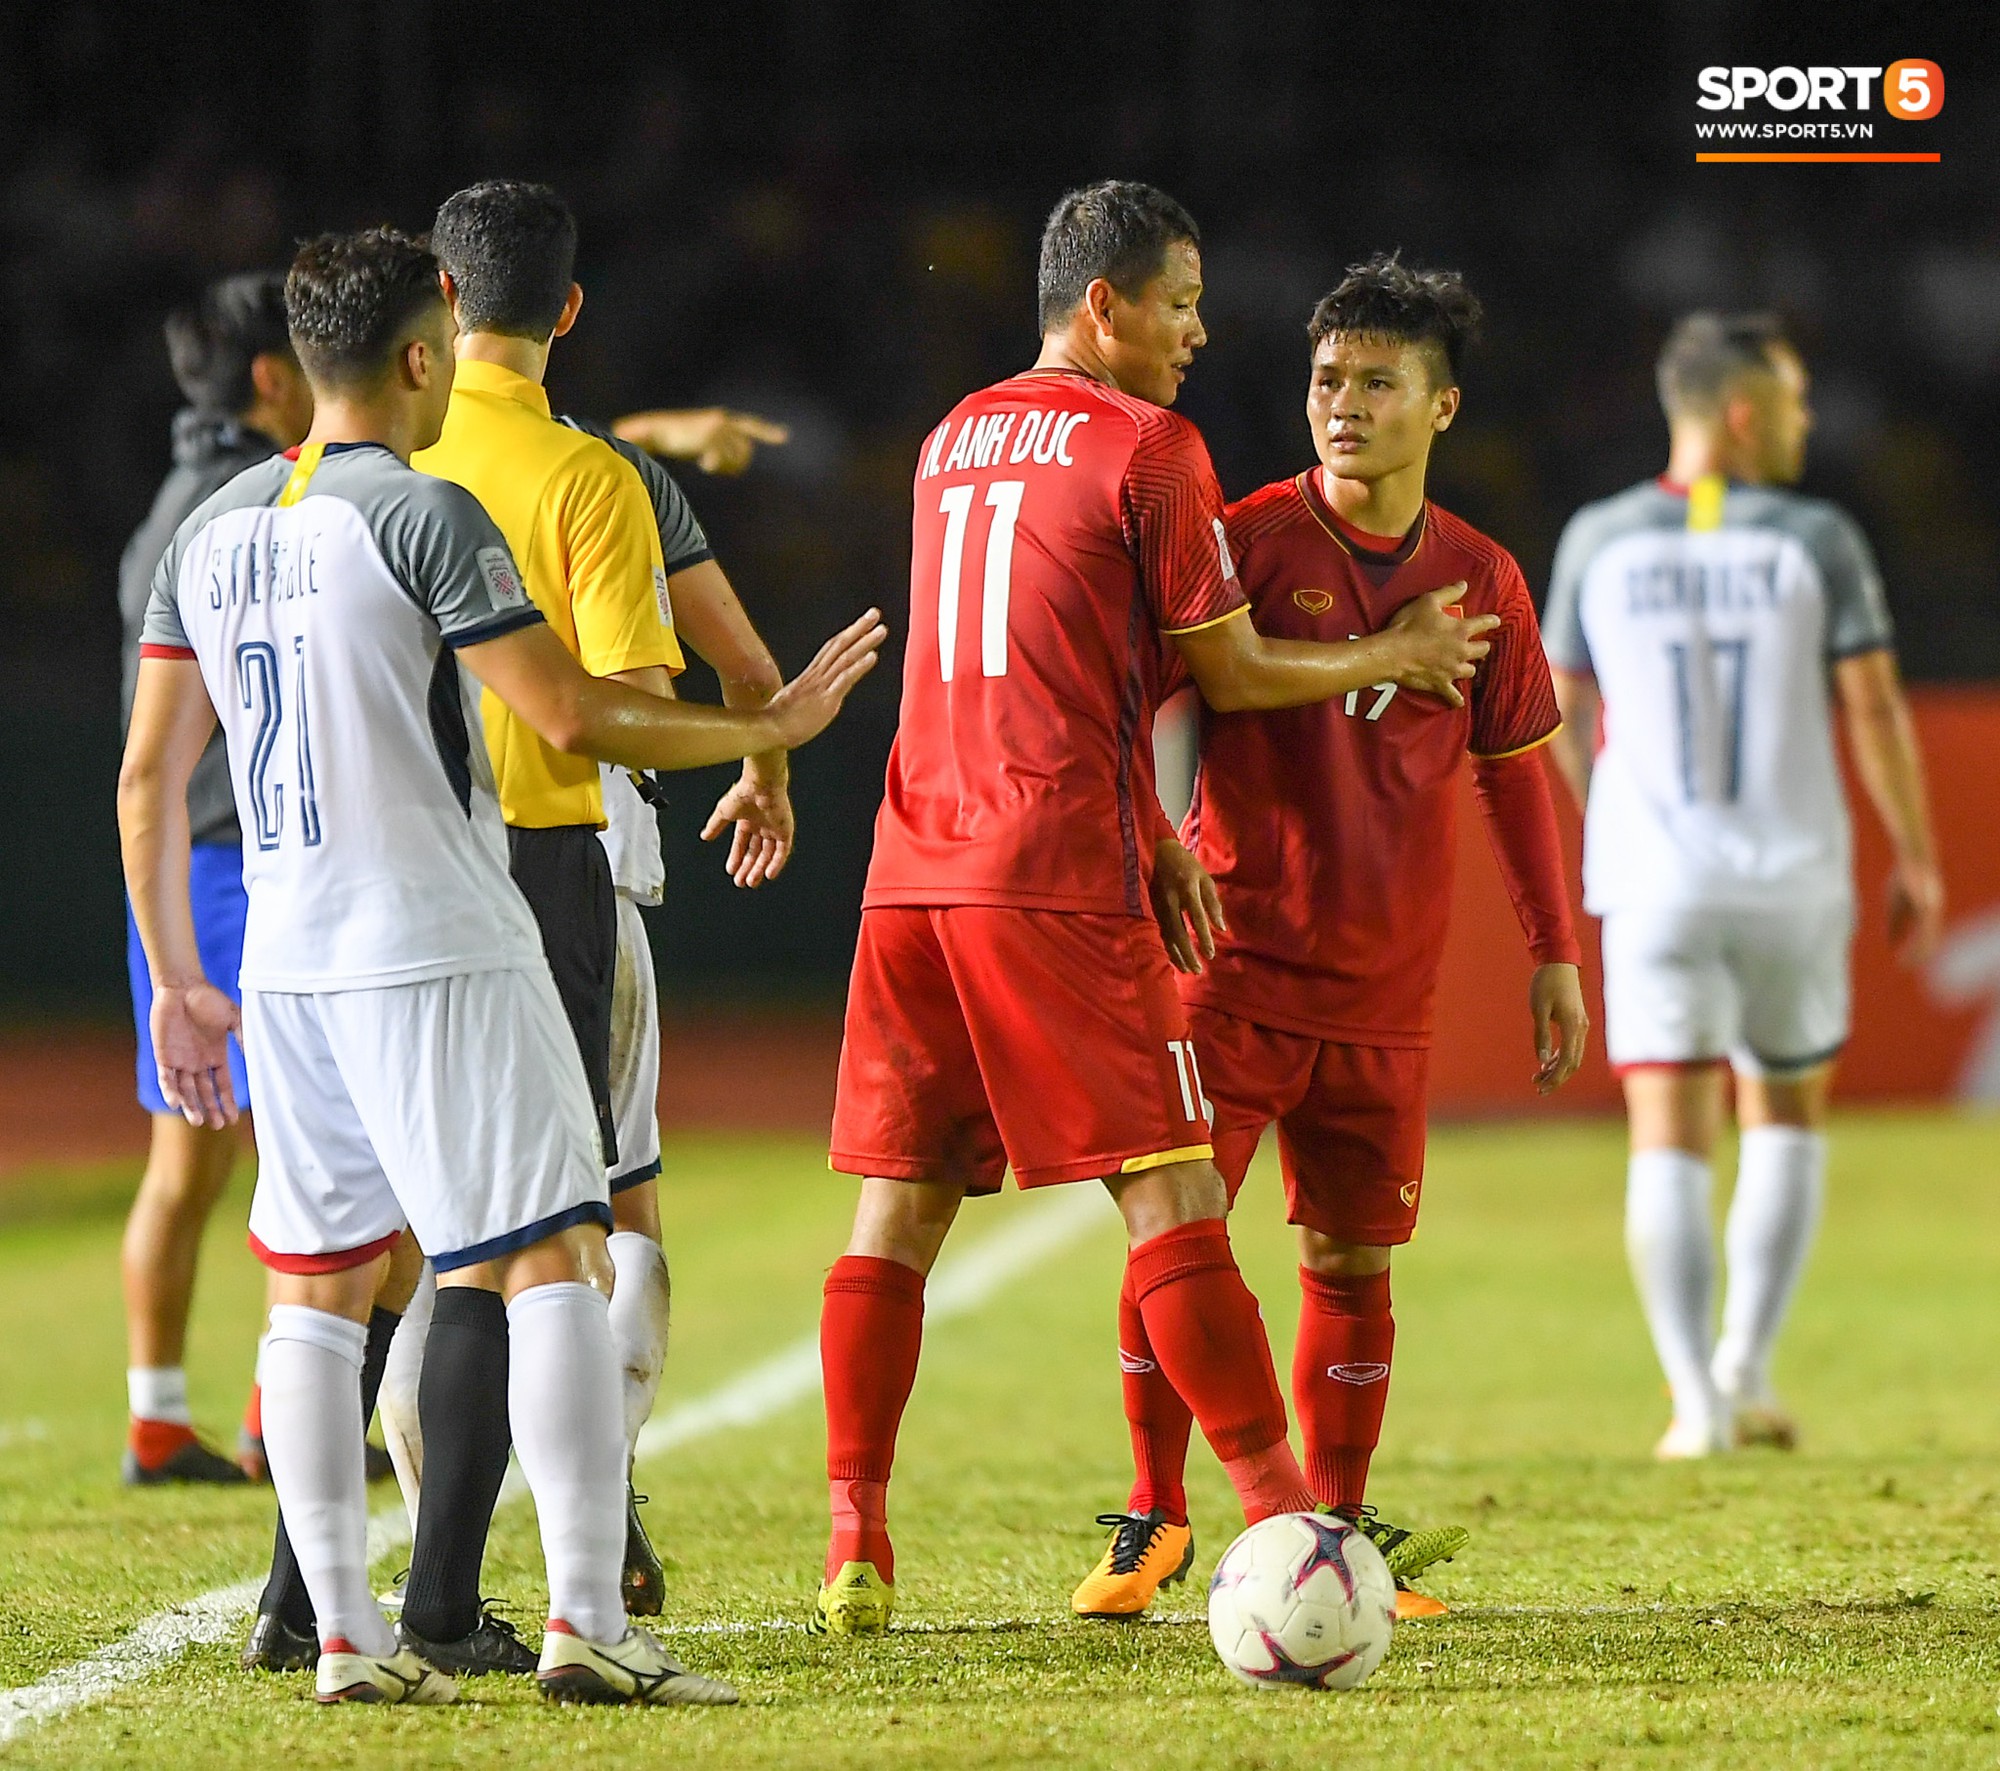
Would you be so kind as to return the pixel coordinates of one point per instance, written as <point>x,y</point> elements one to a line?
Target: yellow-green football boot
<point>855,1602</point>
<point>1408,1553</point>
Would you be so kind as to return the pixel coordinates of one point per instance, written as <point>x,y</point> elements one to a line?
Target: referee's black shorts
<point>565,875</point>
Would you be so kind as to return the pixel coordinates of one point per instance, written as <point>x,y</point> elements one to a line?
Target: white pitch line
<point>164,1636</point>
<point>960,1285</point>
<point>957,1288</point>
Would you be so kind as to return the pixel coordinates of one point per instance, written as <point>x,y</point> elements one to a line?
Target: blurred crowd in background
<point>829,213</point>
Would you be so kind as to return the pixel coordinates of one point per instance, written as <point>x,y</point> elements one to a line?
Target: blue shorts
<point>215,884</point>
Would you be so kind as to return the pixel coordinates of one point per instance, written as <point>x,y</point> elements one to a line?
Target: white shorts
<point>457,1105</point>
<point>1766,989</point>
<point>635,1052</point>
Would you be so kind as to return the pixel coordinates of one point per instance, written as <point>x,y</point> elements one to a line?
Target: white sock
<point>402,1432</point>
<point>1671,1245</point>
<point>158,1392</point>
<point>310,1367</point>
<point>562,1398</point>
<point>641,1308</point>
<point>1780,1176</point>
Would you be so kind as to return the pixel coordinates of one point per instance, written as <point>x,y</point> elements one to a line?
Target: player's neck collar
<point>478,375</point>
<point>1681,488</point>
<point>341,448</point>
<point>1345,533</point>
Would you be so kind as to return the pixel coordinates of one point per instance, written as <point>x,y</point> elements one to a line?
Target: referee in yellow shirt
<point>580,524</point>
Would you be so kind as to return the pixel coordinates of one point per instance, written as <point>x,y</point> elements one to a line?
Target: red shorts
<point>1350,1123</point>
<point>977,1039</point>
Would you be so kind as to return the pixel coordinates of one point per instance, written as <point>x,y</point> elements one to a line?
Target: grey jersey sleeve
<point>1562,614</point>
<point>683,542</point>
<point>161,625</point>
<point>1857,610</point>
<point>253,485</point>
<point>439,541</point>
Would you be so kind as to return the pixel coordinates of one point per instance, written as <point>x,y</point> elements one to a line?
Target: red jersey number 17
<point>1003,498</point>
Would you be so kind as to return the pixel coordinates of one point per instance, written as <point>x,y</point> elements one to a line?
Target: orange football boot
<point>1145,1553</point>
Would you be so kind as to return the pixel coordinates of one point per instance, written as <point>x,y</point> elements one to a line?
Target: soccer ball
<point>1302,1599</point>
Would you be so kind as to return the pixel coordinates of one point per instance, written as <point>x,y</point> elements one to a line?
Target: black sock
<point>462,1408</point>
<point>285,1590</point>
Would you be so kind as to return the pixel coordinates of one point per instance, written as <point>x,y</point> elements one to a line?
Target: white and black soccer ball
<point>1302,1599</point>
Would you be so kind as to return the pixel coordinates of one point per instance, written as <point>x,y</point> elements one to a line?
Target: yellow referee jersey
<point>580,526</point>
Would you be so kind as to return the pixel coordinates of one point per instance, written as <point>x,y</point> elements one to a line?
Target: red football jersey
<point>1331,830</point>
<point>1060,527</point>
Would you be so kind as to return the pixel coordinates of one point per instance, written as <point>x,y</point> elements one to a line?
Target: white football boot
<point>347,1676</point>
<point>1687,1439</point>
<point>634,1670</point>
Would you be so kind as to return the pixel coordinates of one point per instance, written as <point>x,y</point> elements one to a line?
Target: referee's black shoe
<point>495,1646</point>
<point>275,1647</point>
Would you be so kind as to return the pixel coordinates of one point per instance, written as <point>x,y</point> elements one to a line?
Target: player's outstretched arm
<point>716,439</point>
<point>535,675</point>
<point>1884,741</point>
<point>1424,648</point>
<point>192,1020</point>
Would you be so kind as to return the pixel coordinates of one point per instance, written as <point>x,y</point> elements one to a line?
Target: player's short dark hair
<point>1707,353</point>
<point>1386,298</point>
<point>511,250</point>
<point>1116,229</point>
<point>350,300</point>
<point>212,341</point>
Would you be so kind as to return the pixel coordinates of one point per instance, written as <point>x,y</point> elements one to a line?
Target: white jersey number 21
<point>261,686</point>
<point>1003,498</point>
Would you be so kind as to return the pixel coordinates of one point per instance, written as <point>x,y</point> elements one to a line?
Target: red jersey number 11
<point>1003,498</point>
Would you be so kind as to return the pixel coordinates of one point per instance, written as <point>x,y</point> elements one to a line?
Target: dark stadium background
<point>828,212</point>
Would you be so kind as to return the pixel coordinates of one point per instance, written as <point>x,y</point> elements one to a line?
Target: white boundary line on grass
<point>960,1286</point>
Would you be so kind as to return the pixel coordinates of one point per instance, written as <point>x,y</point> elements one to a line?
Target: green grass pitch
<point>1838,1607</point>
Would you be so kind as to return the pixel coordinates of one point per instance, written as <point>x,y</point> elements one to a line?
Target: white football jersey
<point>631,838</point>
<point>323,602</point>
<point>1709,620</point>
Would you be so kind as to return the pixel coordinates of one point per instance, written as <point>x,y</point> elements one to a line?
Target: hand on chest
<point>1335,600</point>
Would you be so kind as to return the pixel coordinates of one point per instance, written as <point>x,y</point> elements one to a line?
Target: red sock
<point>1156,1416</point>
<point>253,1412</point>
<point>870,1330</point>
<point>1340,1378</point>
<point>1209,1340</point>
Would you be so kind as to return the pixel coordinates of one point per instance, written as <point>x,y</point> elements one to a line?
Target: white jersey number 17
<point>1724,684</point>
